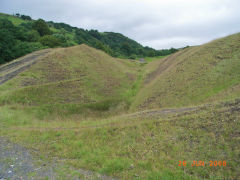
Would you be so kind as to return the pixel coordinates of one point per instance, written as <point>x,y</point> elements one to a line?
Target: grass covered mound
<point>74,77</point>
<point>195,75</point>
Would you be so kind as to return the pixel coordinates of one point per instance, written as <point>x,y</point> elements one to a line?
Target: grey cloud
<point>156,23</point>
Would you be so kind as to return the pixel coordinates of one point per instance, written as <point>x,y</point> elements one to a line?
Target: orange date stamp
<point>203,163</point>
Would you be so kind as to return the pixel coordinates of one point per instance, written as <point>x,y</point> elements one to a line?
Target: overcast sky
<point>155,23</point>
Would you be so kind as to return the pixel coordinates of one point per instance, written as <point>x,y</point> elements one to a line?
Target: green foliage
<point>133,56</point>
<point>33,36</point>
<point>42,27</point>
<point>50,41</point>
<point>24,17</point>
<point>6,44</point>
<point>126,48</point>
<point>22,48</point>
<point>64,26</point>
<point>14,42</point>
<point>23,28</point>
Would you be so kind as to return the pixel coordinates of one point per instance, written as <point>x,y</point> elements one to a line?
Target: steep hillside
<point>74,76</point>
<point>194,75</point>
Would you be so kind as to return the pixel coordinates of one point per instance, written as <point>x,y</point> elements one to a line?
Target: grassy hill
<point>194,75</point>
<point>73,107</point>
<point>73,77</point>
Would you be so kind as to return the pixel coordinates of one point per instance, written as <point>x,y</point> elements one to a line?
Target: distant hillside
<point>194,75</point>
<point>20,34</point>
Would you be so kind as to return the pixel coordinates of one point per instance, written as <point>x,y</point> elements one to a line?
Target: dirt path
<point>12,69</point>
<point>151,113</point>
<point>163,66</point>
<point>164,111</point>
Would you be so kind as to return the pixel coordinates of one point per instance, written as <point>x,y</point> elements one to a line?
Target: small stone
<point>9,172</point>
<point>12,166</point>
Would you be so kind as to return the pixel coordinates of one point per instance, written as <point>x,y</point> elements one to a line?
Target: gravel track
<point>17,163</point>
<point>12,69</point>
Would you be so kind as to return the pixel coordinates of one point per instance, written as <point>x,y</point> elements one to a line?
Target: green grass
<point>78,76</point>
<point>193,76</point>
<point>15,20</point>
<point>150,59</point>
<point>138,147</point>
<point>74,104</point>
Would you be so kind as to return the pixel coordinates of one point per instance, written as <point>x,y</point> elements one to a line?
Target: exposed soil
<point>12,69</point>
<point>165,111</point>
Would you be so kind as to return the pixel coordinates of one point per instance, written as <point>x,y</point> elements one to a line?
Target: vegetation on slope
<point>54,107</point>
<point>134,147</point>
<point>75,77</point>
<point>193,75</point>
<point>20,35</point>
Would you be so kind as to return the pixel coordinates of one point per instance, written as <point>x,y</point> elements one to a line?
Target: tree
<point>126,48</point>
<point>24,17</point>
<point>7,42</point>
<point>151,53</point>
<point>42,27</point>
<point>95,34</point>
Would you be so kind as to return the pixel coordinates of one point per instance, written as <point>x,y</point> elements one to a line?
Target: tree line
<point>32,35</point>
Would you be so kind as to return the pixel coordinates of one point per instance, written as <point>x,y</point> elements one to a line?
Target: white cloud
<point>156,23</point>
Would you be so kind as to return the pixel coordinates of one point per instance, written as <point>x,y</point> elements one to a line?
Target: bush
<point>33,36</point>
<point>133,56</point>
<point>50,41</point>
<point>24,17</point>
<point>22,48</point>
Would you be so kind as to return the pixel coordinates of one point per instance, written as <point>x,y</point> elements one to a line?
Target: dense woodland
<point>18,39</point>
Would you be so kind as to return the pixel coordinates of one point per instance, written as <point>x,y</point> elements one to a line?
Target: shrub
<point>50,41</point>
